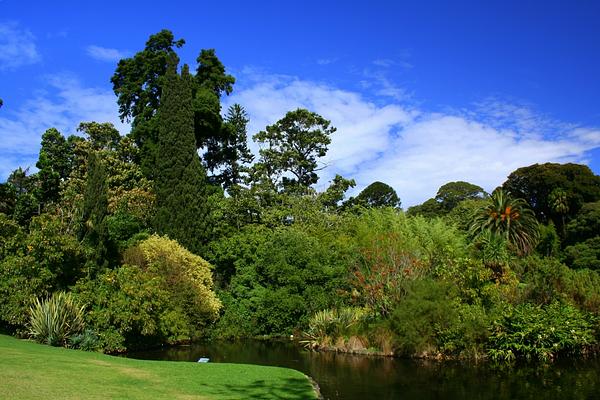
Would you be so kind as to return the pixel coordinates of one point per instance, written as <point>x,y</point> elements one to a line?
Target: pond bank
<point>33,371</point>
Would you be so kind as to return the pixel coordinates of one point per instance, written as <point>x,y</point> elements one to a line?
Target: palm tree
<point>559,203</point>
<point>509,218</point>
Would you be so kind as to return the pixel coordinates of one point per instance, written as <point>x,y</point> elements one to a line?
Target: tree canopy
<point>377,194</point>
<point>53,164</point>
<point>227,156</point>
<point>452,193</point>
<point>138,83</point>
<point>586,223</point>
<point>536,182</point>
<point>294,145</point>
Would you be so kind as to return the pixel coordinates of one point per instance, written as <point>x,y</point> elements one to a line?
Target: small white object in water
<point>203,360</point>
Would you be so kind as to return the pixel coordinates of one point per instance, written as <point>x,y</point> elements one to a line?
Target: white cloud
<point>17,47</point>
<point>413,150</point>
<point>104,53</point>
<point>71,103</point>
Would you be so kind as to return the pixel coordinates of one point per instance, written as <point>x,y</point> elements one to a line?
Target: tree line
<point>176,232</point>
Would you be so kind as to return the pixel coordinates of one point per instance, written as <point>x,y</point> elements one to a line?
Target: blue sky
<point>422,93</point>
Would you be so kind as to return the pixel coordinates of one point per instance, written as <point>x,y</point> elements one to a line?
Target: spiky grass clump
<point>54,320</point>
<point>326,326</point>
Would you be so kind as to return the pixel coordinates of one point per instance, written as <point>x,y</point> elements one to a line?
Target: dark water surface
<point>350,377</point>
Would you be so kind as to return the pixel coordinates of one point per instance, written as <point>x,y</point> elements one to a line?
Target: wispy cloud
<point>326,61</point>
<point>381,85</point>
<point>387,63</point>
<point>69,104</point>
<point>105,53</point>
<point>414,150</point>
<point>17,46</point>
<point>60,34</point>
<point>383,62</point>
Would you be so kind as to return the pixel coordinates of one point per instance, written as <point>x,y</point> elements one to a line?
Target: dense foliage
<point>162,293</point>
<point>182,209</point>
<point>170,234</point>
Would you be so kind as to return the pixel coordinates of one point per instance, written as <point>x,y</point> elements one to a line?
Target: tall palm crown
<point>559,202</point>
<point>509,218</point>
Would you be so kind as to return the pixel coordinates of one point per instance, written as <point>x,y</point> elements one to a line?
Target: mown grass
<point>32,371</point>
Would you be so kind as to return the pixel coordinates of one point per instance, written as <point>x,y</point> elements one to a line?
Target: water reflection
<point>350,377</point>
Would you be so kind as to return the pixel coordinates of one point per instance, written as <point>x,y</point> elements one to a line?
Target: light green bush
<point>163,294</point>
<point>540,333</point>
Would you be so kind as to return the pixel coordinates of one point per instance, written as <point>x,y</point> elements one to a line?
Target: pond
<point>350,377</point>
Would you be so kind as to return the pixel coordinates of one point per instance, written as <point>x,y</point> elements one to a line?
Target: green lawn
<point>32,371</point>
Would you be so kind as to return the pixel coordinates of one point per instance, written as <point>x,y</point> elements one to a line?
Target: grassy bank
<point>33,371</point>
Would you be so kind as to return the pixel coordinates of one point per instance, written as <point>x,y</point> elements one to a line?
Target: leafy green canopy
<point>448,197</point>
<point>230,153</point>
<point>586,224</point>
<point>162,294</point>
<point>294,144</point>
<point>535,184</point>
<point>452,193</point>
<point>138,83</point>
<point>53,164</point>
<point>377,194</point>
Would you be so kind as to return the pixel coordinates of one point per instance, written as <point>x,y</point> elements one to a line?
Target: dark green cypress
<point>183,211</point>
<point>95,209</point>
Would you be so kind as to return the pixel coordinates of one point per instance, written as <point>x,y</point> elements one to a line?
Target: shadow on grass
<point>289,388</point>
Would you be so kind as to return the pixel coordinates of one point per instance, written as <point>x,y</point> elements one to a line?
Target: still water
<point>350,377</point>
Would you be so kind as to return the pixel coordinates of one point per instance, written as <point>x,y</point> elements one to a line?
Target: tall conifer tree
<point>95,209</point>
<point>183,210</point>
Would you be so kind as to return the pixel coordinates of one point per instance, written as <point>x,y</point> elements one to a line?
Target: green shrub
<point>585,225</point>
<point>86,340</point>
<point>44,261</point>
<point>433,242</point>
<point>236,321</point>
<point>545,280</point>
<point>11,236</point>
<point>583,288</point>
<point>187,277</point>
<point>21,280</point>
<point>128,308</point>
<point>394,250</point>
<point>584,255</point>
<point>53,321</point>
<point>540,333</point>
<point>549,244</point>
<point>466,335</point>
<point>428,308</point>
<point>122,226</point>
<point>164,295</point>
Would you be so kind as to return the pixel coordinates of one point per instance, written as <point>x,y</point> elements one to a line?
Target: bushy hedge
<point>163,294</point>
